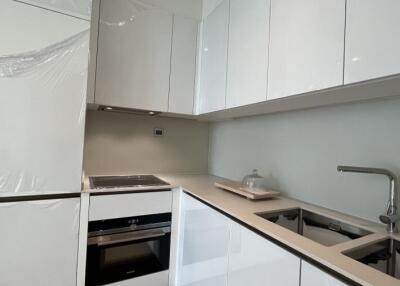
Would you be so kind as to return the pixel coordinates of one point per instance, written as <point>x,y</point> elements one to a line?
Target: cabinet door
<point>312,276</point>
<point>39,242</point>
<point>43,81</point>
<point>255,261</point>
<point>76,8</point>
<point>203,245</point>
<point>214,60</point>
<point>134,52</point>
<point>183,65</point>
<point>306,46</point>
<point>372,41</point>
<point>247,52</point>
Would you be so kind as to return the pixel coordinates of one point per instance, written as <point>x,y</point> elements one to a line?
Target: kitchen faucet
<point>392,216</point>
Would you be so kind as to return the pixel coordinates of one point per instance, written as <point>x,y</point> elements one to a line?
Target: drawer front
<point>126,205</point>
<point>156,279</point>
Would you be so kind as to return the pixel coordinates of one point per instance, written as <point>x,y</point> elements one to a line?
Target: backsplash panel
<point>298,153</point>
<point>118,143</point>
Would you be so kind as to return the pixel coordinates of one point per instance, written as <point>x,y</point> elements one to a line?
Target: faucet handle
<point>387,219</point>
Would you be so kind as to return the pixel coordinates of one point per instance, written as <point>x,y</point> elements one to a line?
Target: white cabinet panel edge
<point>83,232</point>
<point>175,233</point>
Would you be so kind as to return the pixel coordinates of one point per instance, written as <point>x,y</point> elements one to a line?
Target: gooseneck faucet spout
<point>392,216</point>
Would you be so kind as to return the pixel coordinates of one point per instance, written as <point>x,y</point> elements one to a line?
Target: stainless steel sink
<point>316,227</point>
<point>383,256</point>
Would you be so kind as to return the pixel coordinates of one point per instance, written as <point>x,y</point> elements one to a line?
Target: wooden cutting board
<point>252,194</point>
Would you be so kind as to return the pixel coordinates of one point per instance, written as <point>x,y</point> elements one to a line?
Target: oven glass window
<point>112,263</point>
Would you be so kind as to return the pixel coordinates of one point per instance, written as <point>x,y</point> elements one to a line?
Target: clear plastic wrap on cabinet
<point>42,100</point>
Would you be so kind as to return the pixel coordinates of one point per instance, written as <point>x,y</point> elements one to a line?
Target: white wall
<point>117,143</point>
<point>298,153</point>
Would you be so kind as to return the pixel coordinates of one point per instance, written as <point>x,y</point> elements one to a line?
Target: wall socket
<point>158,132</point>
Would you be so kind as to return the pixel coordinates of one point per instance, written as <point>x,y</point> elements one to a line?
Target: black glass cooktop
<point>108,182</point>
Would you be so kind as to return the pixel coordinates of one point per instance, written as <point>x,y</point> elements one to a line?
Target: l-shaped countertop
<point>243,210</point>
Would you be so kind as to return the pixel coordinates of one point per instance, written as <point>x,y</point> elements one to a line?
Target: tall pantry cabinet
<point>43,82</point>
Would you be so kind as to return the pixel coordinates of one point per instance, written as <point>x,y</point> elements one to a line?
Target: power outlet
<point>158,132</point>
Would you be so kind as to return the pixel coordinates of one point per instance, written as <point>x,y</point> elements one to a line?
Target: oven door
<point>116,257</point>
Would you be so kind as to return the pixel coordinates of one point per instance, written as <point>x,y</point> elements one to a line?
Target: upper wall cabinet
<point>306,46</point>
<point>214,60</point>
<point>372,39</point>
<point>43,80</point>
<point>247,52</point>
<point>146,56</point>
<point>76,8</point>
<point>134,50</point>
<point>183,65</point>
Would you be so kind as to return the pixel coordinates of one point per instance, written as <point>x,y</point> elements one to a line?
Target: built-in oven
<point>125,248</point>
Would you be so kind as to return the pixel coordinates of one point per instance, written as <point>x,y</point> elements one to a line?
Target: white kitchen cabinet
<point>312,276</point>
<point>247,52</point>
<point>214,60</point>
<point>183,65</point>
<point>76,8</point>
<point>202,245</point>
<point>255,261</point>
<point>306,46</point>
<point>43,81</point>
<point>372,41</point>
<point>39,242</point>
<point>134,52</point>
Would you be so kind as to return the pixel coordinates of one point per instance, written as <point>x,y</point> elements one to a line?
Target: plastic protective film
<point>78,8</point>
<point>39,242</point>
<point>42,107</point>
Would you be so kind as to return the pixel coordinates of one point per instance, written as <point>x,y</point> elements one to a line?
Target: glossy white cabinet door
<point>203,245</point>
<point>255,261</point>
<point>39,242</point>
<point>43,81</point>
<point>372,39</point>
<point>247,52</point>
<point>306,46</point>
<point>312,276</point>
<point>76,8</point>
<point>183,65</point>
<point>134,52</point>
<point>214,60</point>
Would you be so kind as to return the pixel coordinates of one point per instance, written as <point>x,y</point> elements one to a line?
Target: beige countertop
<point>202,187</point>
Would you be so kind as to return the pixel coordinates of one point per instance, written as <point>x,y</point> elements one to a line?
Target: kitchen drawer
<point>126,205</point>
<point>156,279</point>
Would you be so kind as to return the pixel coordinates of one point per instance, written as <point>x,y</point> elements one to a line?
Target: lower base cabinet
<point>39,242</point>
<point>312,276</point>
<point>255,261</point>
<point>202,258</point>
<point>216,251</point>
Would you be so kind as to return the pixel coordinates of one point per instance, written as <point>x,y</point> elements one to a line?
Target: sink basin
<point>318,228</point>
<point>383,256</point>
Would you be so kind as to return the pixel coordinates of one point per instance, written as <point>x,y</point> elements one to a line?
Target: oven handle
<point>105,240</point>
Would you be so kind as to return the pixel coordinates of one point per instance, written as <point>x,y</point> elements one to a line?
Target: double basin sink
<point>382,255</point>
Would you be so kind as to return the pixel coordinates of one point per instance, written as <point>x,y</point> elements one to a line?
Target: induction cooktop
<point>115,182</point>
